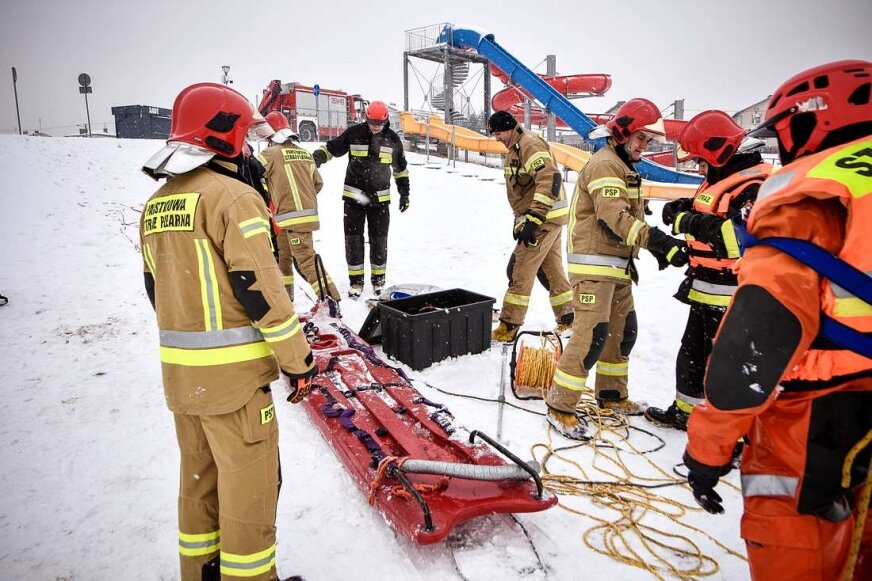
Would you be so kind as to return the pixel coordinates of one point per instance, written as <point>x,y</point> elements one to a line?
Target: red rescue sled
<point>403,450</point>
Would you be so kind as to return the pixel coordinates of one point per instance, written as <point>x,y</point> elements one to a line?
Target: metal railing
<point>424,37</point>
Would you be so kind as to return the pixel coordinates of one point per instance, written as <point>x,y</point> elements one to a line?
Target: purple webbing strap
<point>369,352</point>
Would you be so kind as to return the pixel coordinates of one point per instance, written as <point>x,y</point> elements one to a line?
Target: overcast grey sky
<point>714,54</point>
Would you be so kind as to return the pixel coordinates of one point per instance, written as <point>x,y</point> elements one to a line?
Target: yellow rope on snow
<point>626,538</point>
<point>536,365</point>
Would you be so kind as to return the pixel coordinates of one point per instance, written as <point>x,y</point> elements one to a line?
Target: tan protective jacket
<point>293,182</point>
<point>205,240</point>
<point>606,223</point>
<point>533,182</point>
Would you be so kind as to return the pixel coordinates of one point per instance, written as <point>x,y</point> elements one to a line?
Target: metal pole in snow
<point>88,113</point>
<point>15,88</point>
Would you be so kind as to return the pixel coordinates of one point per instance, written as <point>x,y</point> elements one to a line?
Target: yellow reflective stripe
<point>671,253</point>
<point>401,174</point>
<point>212,317</point>
<point>217,356</point>
<point>295,191</point>
<point>570,248</point>
<point>535,162</point>
<point>677,221</point>
<point>634,232</point>
<point>355,271</point>
<point>295,221</point>
<point>515,299</point>
<point>543,199</point>
<point>610,271</point>
<point>254,226</point>
<point>359,153</point>
<point>149,259</point>
<point>250,565</point>
<point>561,299</point>
<point>200,544</point>
<point>573,382</point>
<point>317,283</point>
<point>326,152</point>
<point>612,369</point>
<point>376,271</point>
<point>386,157</point>
<point>384,197</point>
<point>282,331</point>
<point>612,182</point>
<point>683,406</point>
<point>709,299</point>
<point>855,180</point>
<point>852,307</point>
<point>288,279</point>
<point>262,160</point>
<point>514,171</point>
<point>728,233</point>
<point>557,213</point>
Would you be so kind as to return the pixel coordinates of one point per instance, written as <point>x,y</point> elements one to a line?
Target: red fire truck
<point>313,118</point>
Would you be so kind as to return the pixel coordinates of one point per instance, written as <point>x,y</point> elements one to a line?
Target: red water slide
<point>511,99</point>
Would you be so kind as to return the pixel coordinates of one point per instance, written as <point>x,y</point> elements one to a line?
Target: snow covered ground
<point>89,458</point>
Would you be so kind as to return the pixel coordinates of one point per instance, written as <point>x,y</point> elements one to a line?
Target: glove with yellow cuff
<point>525,228</point>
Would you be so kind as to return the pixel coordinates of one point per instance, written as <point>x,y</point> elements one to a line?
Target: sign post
<point>15,88</point>
<point>316,90</point>
<point>85,88</point>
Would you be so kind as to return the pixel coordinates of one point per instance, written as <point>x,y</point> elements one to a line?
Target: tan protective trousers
<point>286,263</point>
<point>544,260</point>
<point>303,256</point>
<point>228,491</point>
<point>603,334</point>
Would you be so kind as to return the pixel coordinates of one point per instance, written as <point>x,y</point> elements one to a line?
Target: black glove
<point>703,479</point>
<point>300,384</point>
<point>666,249</point>
<point>404,202</point>
<point>675,207</point>
<point>704,227</point>
<point>320,157</point>
<point>525,228</point>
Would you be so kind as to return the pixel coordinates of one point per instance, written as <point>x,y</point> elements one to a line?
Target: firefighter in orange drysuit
<point>791,365</point>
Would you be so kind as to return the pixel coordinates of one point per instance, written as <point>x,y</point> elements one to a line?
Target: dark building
<point>142,122</point>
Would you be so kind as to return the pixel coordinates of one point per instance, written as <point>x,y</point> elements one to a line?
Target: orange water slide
<point>566,155</point>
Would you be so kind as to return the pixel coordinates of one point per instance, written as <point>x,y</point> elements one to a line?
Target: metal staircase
<point>459,73</point>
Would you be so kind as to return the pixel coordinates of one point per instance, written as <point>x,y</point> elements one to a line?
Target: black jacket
<point>371,159</point>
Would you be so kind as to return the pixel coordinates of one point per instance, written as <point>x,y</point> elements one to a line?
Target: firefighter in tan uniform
<point>538,201</point>
<point>606,230</point>
<point>227,328</point>
<point>294,182</point>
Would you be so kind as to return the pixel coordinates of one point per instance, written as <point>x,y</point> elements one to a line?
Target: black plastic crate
<point>424,329</point>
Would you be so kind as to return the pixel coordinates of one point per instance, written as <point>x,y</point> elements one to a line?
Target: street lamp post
<point>15,88</point>
<point>226,79</point>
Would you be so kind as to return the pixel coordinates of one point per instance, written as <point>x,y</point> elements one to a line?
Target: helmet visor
<point>767,128</point>
<point>681,155</point>
<point>259,131</point>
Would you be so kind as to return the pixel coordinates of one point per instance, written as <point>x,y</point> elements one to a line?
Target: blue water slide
<point>553,101</point>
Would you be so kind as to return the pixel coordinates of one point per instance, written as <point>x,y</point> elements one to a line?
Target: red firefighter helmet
<point>214,117</point>
<point>636,115</point>
<point>377,113</point>
<point>277,121</point>
<point>810,106</point>
<point>712,136</point>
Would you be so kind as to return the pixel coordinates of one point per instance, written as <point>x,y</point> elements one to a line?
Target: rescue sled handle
<point>505,452</point>
<point>468,471</point>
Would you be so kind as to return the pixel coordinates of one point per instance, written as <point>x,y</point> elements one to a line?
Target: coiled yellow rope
<point>536,365</point>
<point>632,537</point>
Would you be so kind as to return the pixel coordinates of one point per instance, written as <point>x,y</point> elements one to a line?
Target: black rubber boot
<point>671,417</point>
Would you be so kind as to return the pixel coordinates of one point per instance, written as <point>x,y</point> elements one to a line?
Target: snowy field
<point>90,463</point>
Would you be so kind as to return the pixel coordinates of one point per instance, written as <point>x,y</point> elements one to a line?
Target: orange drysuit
<point>804,403</point>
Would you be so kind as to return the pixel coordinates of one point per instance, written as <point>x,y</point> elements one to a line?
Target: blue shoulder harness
<point>834,269</point>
